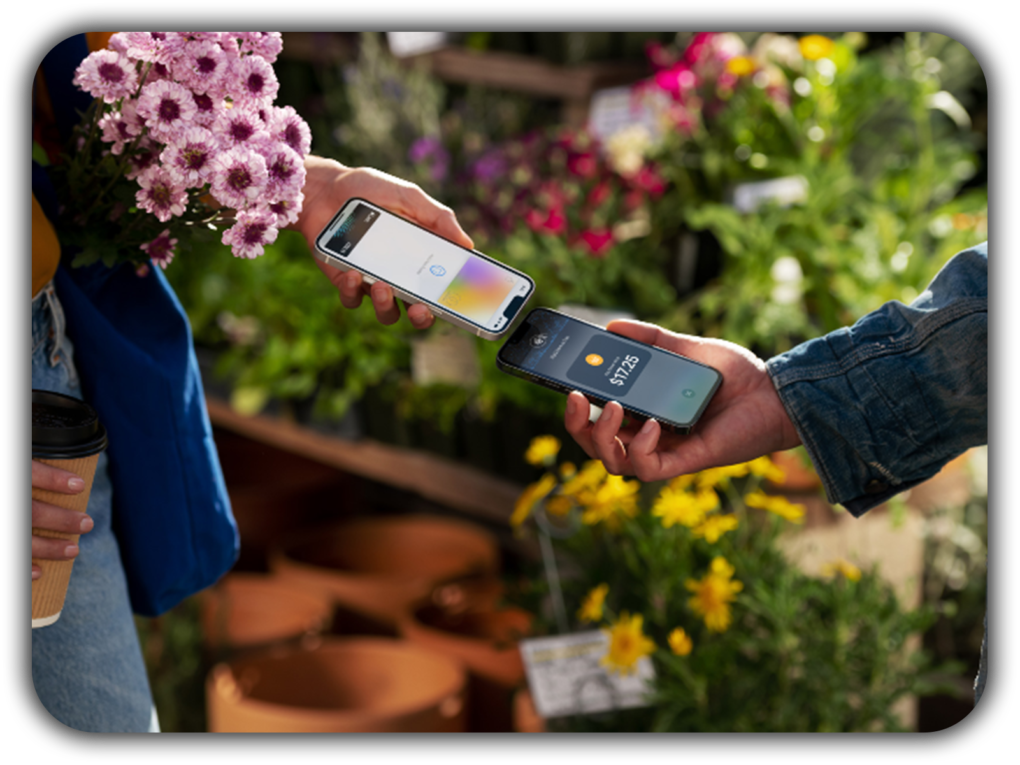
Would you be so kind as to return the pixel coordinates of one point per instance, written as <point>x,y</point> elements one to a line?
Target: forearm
<point>883,405</point>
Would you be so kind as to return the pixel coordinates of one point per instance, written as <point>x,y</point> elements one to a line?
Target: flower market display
<point>689,573</point>
<point>183,139</point>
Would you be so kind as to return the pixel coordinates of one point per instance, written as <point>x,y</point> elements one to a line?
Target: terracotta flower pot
<point>344,684</point>
<point>800,477</point>
<point>526,718</point>
<point>485,642</point>
<point>244,610</point>
<point>274,493</point>
<point>380,566</point>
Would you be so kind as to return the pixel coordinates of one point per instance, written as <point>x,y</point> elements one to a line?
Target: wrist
<point>321,178</point>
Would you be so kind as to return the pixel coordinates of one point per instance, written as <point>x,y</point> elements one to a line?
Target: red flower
<point>648,179</point>
<point>699,48</point>
<point>677,80</point>
<point>599,193</point>
<point>598,241</point>
<point>546,222</point>
<point>583,165</point>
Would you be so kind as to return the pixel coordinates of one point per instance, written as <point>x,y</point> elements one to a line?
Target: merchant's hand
<point>53,518</point>
<point>744,420</point>
<point>329,184</point>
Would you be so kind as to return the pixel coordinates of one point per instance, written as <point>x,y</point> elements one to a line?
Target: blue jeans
<point>87,667</point>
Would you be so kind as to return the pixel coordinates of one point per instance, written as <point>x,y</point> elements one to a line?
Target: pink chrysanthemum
<point>189,156</point>
<point>239,177</point>
<point>208,109</point>
<point>253,81</point>
<point>286,125</point>
<point>265,44</point>
<point>287,211</point>
<point>120,127</point>
<point>119,42</point>
<point>252,232</point>
<point>240,126</point>
<point>286,171</point>
<point>201,66</point>
<point>145,156</point>
<point>106,74</point>
<point>166,107</point>
<point>149,46</point>
<point>161,194</point>
<point>161,249</point>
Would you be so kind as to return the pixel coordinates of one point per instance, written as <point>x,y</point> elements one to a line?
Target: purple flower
<point>285,169</point>
<point>208,109</point>
<point>286,125</point>
<point>120,127</point>
<point>240,126</point>
<point>160,249</point>
<point>253,82</point>
<point>239,177</point>
<point>490,166</point>
<point>265,44</point>
<point>146,153</point>
<point>160,193</point>
<point>166,107</point>
<point>287,211</point>
<point>189,156</point>
<point>108,75</point>
<point>201,66</point>
<point>149,46</point>
<point>430,147</point>
<point>252,232</point>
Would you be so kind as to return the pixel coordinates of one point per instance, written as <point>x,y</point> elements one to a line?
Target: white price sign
<point>566,678</point>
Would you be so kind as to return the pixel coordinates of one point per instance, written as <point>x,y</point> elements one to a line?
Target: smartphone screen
<point>480,290</point>
<point>575,355</point>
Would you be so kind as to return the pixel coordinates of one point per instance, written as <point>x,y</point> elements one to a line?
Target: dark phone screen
<point>614,368</point>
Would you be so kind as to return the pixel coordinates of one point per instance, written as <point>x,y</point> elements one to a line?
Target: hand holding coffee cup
<point>53,518</point>
<point>67,439</point>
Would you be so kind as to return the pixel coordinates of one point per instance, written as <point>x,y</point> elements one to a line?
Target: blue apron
<point>134,354</point>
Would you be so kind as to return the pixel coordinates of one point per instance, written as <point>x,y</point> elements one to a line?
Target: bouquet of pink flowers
<point>182,139</point>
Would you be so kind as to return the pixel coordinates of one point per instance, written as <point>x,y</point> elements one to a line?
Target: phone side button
<point>367,279</point>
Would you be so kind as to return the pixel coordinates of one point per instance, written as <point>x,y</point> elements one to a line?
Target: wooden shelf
<point>451,484</point>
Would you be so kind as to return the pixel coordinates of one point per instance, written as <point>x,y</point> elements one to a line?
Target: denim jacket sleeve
<point>881,406</point>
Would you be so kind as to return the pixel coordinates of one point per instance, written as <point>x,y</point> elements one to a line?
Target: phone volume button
<point>367,279</point>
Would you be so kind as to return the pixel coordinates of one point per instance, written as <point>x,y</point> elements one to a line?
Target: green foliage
<point>283,332</point>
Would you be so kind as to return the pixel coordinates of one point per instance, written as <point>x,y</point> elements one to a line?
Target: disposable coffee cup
<point>67,434</point>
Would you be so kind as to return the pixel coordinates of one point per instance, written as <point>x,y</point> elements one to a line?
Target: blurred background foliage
<point>886,134</point>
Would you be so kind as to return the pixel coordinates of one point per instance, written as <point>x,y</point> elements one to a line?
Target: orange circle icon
<point>594,359</point>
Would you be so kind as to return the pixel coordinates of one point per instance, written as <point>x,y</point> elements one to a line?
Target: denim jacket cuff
<point>881,406</point>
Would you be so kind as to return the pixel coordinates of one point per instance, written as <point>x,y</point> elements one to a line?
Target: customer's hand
<point>329,184</point>
<point>52,518</point>
<point>744,420</point>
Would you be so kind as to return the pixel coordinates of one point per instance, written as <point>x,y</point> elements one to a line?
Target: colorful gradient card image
<point>478,290</point>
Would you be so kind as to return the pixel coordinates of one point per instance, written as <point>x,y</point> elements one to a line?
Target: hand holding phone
<point>328,185</point>
<point>744,420</point>
<point>463,286</point>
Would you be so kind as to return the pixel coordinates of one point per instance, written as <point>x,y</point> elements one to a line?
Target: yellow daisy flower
<point>781,506</point>
<point>767,469</point>
<point>714,526</point>
<point>592,473</point>
<point>558,505</point>
<point>713,593</point>
<point>741,66</point>
<point>616,497</point>
<point>814,47</point>
<point>680,642</point>
<point>684,507</point>
<point>627,644</point>
<point>567,471</point>
<point>844,567</point>
<point>542,450</point>
<point>591,608</point>
<point>530,497</point>
<point>712,477</point>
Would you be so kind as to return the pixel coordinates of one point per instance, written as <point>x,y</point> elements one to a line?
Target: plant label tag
<point>566,678</point>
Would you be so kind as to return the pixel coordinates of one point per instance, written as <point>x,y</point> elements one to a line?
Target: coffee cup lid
<point>64,427</point>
